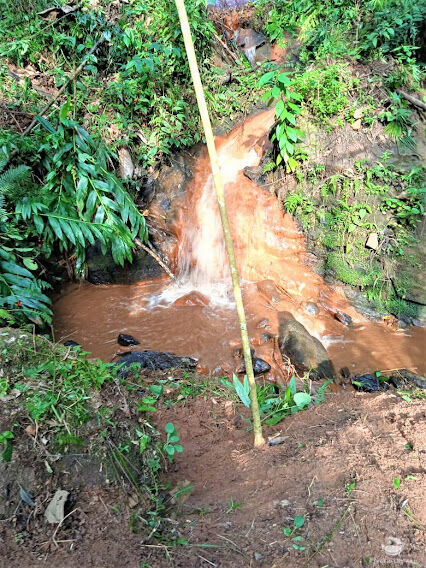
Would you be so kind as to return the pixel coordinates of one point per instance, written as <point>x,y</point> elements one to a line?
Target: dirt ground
<point>336,468</point>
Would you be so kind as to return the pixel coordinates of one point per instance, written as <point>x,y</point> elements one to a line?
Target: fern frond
<point>3,163</point>
<point>13,180</point>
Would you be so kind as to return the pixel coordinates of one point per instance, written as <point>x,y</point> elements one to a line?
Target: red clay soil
<point>336,468</point>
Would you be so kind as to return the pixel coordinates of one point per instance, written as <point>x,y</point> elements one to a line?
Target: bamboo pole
<point>220,194</point>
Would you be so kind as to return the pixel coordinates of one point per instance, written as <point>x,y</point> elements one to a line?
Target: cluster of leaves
<point>61,390</point>
<point>21,292</point>
<point>273,407</point>
<point>6,438</point>
<point>137,80</point>
<point>80,202</point>
<point>289,532</point>
<point>349,27</point>
<point>64,386</point>
<point>398,120</point>
<point>325,90</point>
<point>284,134</point>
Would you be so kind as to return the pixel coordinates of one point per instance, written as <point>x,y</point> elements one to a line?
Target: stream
<point>195,315</point>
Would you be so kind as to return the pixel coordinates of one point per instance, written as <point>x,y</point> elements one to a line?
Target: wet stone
<point>311,309</point>
<point>263,324</point>
<point>409,377</point>
<point>71,343</point>
<point>192,299</point>
<point>155,360</point>
<point>343,318</point>
<point>125,340</point>
<point>259,366</point>
<point>305,351</point>
<point>366,383</point>
<point>267,336</point>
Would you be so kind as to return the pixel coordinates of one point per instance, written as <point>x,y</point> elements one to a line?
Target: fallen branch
<point>413,100</point>
<point>64,86</point>
<point>155,256</point>
<point>226,48</point>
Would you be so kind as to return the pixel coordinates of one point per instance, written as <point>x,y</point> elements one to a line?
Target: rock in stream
<point>155,360</point>
<point>305,352</point>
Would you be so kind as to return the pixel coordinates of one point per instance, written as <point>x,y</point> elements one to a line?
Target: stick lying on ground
<point>416,102</point>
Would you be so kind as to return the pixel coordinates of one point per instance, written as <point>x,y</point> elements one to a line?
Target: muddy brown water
<point>195,315</point>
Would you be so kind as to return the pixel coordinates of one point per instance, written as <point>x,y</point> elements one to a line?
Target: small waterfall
<point>201,260</point>
<point>250,53</point>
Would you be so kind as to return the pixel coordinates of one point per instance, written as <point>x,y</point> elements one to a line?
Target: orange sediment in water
<point>195,315</point>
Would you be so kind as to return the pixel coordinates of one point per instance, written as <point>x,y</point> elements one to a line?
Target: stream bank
<point>349,470</point>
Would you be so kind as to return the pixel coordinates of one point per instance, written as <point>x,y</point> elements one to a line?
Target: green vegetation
<point>347,27</point>
<point>275,406</point>
<point>6,438</point>
<point>70,400</point>
<point>289,532</point>
<point>233,506</point>
<point>59,192</point>
<point>284,135</point>
<point>341,211</point>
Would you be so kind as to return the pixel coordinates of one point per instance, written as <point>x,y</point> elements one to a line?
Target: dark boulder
<point>125,340</point>
<point>409,377</point>
<point>155,360</point>
<point>366,383</point>
<point>305,352</point>
<point>101,269</point>
<point>71,343</point>
<point>259,366</point>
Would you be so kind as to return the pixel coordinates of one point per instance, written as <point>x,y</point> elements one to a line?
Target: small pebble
<point>276,441</point>
<point>125,340</point>
<point>311,309</point>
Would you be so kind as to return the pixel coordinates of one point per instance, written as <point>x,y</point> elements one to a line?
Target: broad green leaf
<point>45,123</point>
<point>170,450</point>
<point>282,78</point>
<point>15,269</point>
<point>266,78</point>
<point>292,385</point>
<point>242,389</point>
<point>29,263</point>
<point>279,108</point>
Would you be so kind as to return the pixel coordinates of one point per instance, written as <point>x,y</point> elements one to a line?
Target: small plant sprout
<point>143,440</point>
<point>171,446</point>
<point>349,487</point>
<point>289,532</point>
<point>397,482</point>
<point>5,438</point>
<point>233,505</point>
